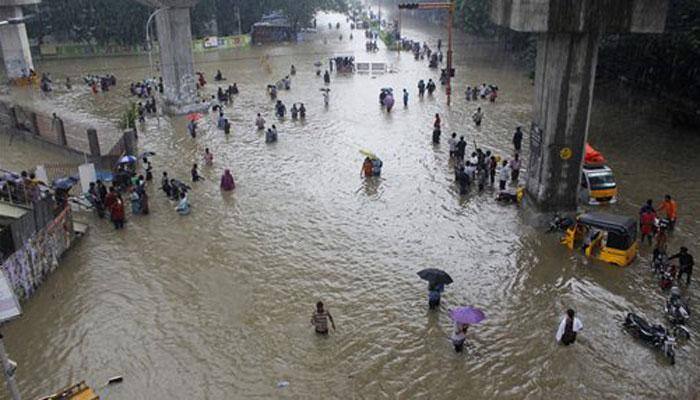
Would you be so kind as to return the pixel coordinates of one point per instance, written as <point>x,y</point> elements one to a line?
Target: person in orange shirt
<point>669,205</point>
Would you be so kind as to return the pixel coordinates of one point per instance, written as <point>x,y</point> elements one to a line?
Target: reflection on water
<point>216,305</point>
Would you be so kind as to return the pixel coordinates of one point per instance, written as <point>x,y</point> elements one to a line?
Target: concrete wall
<point>82,50</point>
<point>38,256</point>
<point>38,215</point>
<point>57,133</point>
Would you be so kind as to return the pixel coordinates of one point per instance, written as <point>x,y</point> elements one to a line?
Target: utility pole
<point>238,16</point>
<point>450,7</point>
<point>148,38</point>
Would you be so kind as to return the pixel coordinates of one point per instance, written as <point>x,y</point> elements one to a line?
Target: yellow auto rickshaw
<point>81,391</point>
<point>606,237</point>
<point>78,391</point>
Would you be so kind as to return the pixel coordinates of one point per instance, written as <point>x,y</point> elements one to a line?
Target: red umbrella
<point>194,116</point>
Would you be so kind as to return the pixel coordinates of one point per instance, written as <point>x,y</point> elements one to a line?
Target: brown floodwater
<point>216,305</point>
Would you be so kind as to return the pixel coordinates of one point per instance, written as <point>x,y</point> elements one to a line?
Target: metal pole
<point>9,370</point>
<point>148,38</point>
<point>398,39</point>
<point>448,88</point>
<point>238,16</point>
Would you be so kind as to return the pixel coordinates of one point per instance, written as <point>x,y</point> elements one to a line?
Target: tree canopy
<point>124,21</point>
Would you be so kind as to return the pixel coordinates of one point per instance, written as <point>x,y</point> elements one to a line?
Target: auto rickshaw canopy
<point>624,229</point>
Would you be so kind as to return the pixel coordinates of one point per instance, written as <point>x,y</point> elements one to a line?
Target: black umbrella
<point>435,276</point>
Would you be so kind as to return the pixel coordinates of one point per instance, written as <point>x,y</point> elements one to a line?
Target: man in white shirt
<point>569,326</point>
<point>503,175</point>
<point>452,143</point>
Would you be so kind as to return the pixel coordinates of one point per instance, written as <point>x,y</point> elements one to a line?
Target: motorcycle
<point>560,224</point>
<point>659,263</point>
<point>656,335</point>
<point>678,314</point>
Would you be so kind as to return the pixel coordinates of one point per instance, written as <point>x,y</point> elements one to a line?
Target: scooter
<point>656,335</point>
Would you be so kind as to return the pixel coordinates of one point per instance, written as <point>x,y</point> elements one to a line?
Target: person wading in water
<point>320,319</point>
<point>569,326</point>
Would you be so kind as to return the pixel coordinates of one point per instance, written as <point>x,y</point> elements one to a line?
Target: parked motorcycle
<point>560,224</point>
<point>664,270</point>
<point>656,335</point>
<point>678,314</point>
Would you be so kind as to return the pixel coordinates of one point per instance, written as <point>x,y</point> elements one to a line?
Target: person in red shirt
<point>646,224</point>
<point>110,199</point>
<point>117,213</point>
<point>669,205</point>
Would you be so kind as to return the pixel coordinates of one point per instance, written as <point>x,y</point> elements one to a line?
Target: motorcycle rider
<point>676,308</point>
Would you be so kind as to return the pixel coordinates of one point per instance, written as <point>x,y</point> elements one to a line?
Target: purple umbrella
<point>467,315</point>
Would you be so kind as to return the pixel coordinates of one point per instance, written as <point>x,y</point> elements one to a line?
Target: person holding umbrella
<point>459,336</point>
<point>463,317</point>
<point>437,279</point>
<point>192,124</point>
<point>434,294</point>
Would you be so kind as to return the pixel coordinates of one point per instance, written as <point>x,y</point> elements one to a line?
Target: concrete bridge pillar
<point>176,60</point>
<point>569,34</point>
<point>13,38</point>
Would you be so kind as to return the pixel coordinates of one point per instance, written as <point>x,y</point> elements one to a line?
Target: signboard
<point>87,175</point>
<point>9,306</point>
<point>210,42</point>
<point>565,153</point>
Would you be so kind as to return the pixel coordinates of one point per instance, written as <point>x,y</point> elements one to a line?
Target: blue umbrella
<point>65,183</point>
<point>104,176</point>
<point>127,160</point>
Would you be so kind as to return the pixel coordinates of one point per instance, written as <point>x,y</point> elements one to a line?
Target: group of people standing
<point>482,91</point>
<point>655,224</point>
<point>481,166</point>
<point>110,202</point>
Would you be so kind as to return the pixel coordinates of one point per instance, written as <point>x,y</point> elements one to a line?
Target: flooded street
<point>216,305</point>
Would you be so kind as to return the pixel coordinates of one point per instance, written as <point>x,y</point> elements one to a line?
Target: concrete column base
<point>179,109</point>
<point>176,61</point>
<point>15,44</point>
<point>564,79</point>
